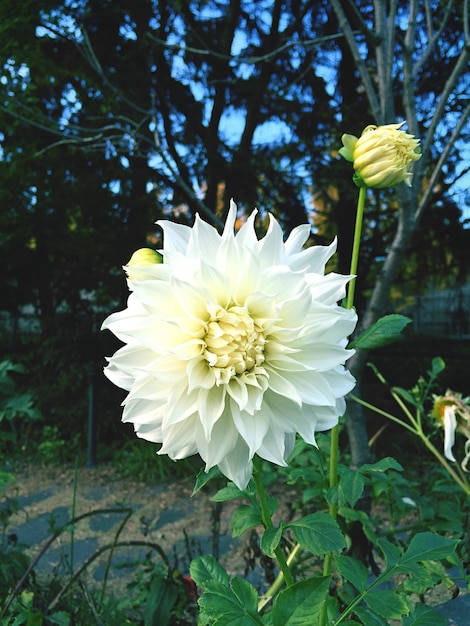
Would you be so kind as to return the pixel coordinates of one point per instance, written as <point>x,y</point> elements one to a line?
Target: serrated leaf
<point>318,533</point>
<point>206,568</point>
<point>423,615</point>
<point>245,593</point>
<point>418,581</point>
<point>385,331</point>
<point>204,477</point>
<point>382,465</point>
<point>388,604</point>
<point>301,603</point>
<point>427,546</point>
<point>270,540</point>
<point>230,492</point>
<point>220,603</point>
<point>354,571</point>
<point>243,518</point>
<point>351,486</point>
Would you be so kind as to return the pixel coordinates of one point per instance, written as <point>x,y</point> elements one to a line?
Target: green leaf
<point>270,540</point>
<point>230,492</point>
<point>204,477</point>
<point>161,599</point>
<point>424,616</point>
<point>354,571</point>
<point>386,330</point>
<point>353,515</point>
<point>205,568</point>
<point>405,395</point>
<point>418,581</point>
<point>368,617</point>
<point>318,533</point>
<point>427,547</point>
<point>351,486</point>
<point>243,518</point>
<point>388,604</point>
<point>437,366</point>
<point>235,606</point>
<point>246,594</point>
<point>391,552</point>
<point>383,465</point>
<point>301,603</point>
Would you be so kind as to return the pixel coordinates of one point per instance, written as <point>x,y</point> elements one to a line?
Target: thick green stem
<point>268,523</point>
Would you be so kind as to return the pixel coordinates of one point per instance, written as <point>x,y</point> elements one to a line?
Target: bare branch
<point>433,38</point>
<point>360,63</point>
<point>460,67</point>
<point>385,37</point>
<point>440,164</point>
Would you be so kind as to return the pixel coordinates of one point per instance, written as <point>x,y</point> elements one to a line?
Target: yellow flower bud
<point>142,258</point>
<point>381,156</point>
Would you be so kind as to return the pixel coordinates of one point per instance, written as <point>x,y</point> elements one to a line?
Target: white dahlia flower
<point>233,344</point>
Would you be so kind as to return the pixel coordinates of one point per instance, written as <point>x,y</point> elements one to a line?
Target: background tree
<point>115,114</point>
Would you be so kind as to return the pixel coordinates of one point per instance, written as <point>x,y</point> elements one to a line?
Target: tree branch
<point>460,67</point>
<point>440,164</point>
<point>433,38</point>
<point>361,66</point>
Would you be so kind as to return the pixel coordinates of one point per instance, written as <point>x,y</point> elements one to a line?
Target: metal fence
<point>443,313</point>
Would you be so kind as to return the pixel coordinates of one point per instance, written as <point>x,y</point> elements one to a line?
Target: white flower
<point>233,345</point>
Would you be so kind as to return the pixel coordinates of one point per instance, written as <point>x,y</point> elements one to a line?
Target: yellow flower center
<point>234,341</point>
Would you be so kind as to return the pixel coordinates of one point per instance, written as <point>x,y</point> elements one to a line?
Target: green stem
<point>277,584</point>
<point>443,461</point>
<point>417,429</point>
<point>386,414</point>
<point>268,523</point>
<point>356,245</point>
<point>334,445</point>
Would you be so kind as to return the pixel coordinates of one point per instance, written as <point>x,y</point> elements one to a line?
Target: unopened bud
<point>142,258</point>
<point>381,156</point>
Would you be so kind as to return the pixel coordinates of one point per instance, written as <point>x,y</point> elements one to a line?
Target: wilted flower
<point>382,156</point>
<point>233,345</point>
<point>453,413</point>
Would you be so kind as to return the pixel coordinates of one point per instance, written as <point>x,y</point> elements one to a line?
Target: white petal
<point>179,440</point>
<point>297,238</point>
<point>176,236</point>
<point>252,428</point>
<point>223,440</point>
<point>211,404</point>
<point>450,424</point>
<point>313,259</point>
<point>230,221</point>
<point>237,465</point>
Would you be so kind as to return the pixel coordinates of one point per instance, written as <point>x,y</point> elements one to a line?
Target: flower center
<point>234,341</point>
